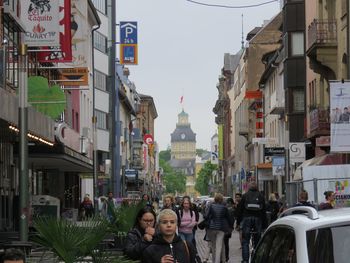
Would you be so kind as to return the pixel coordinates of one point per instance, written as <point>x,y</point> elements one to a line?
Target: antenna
<point>242,42</point>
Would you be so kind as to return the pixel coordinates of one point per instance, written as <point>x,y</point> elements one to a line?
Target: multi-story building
<point>183,150</point>
<point>327,48</point>
<point>60,144</point>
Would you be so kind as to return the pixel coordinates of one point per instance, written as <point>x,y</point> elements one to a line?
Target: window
<point>297,44</point>
<point>100,5</point>
<point>298,100</point>
<point>101,120</point>
<point>278,245</point>
<point>100,42</point>
<point>329,244</point>
<point>100,80</point>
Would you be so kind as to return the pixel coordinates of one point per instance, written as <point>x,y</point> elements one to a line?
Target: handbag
<point>204,224</point>
<point>197,258</point>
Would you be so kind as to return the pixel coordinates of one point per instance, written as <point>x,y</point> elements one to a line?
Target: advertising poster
<point>278,165</point>
<point>41,19</point>
<point>63,52</point>
<point>340,116</point>
<point>341,189</point>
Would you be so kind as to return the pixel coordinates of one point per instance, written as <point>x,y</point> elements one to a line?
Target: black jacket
<point>243,212</point>
<point>160,248</point>
<point>135,244</point>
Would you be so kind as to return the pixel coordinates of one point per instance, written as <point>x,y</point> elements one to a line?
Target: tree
<point>174,181</point>
<point>164,155</point>
<point>204,176</point>
<point>201,152</point>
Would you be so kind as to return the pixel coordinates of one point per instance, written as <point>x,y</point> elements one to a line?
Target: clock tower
<point>183,151</point>
<point>183,139</point>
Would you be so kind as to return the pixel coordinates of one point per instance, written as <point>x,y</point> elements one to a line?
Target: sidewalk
<point>235,250</point>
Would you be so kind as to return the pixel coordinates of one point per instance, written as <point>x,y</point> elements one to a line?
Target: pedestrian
<point>167,247</point>
<point>169,203</point>
<point>109,206</point>
<point>303,199</point>
<point>187,220</point>
<point>272,208</point>
<point>252,218</point>
<point>86,208</point>
<point>219,223</point>
<point>13,255</point>
<point>228,234</point>
<point>141,236</point>
<point>147,200</point>
<point>329,203</point>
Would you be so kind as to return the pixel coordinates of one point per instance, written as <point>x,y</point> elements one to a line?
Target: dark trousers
<point>227,247</point>
<point>250,225</point>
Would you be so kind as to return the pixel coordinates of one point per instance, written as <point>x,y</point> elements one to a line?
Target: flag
<point>181,99</point>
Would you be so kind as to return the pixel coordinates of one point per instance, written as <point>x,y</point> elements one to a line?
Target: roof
<point>177,136</point>
<point>325,218</point>
<point>183,113</point>
<point>185,165</point>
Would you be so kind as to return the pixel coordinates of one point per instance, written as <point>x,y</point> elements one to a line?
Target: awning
<point>326,159</point>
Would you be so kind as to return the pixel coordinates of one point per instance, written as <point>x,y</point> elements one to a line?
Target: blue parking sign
<point>128,32</point>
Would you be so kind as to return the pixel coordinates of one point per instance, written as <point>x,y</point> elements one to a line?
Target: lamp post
<point>23,144</point>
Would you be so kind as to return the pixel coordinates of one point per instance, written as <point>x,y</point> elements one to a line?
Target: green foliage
<point>201,152</point>
<point>124,218</point>
<point>68,241</point>
<point>204,176</point>
<point>51,101</point>
<point>175,181</point>
<point>165,155</point>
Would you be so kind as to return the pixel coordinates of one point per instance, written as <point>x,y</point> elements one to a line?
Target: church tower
<point>183,139</point>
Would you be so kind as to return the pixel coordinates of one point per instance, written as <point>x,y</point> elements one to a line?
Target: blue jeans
<point>186,236</point>
<point>250,224</point>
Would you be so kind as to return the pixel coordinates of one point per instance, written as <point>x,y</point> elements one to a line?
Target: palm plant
<point>68,241</point>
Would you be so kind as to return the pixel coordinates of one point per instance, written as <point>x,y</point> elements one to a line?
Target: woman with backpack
<point>187,220</point>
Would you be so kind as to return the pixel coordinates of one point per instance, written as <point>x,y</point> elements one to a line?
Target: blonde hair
<point>166,212</point>
<point>272,197</point>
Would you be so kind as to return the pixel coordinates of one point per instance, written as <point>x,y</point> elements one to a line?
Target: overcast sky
<point>181,48</point>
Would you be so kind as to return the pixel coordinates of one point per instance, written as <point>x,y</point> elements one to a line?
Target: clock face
<point>183,136</point>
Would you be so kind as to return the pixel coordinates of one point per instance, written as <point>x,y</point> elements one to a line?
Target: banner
<point>221,141</point>
<point>80,34</point>
<point>340,116</point>
<point>63,52</point>
<point>41,19</point>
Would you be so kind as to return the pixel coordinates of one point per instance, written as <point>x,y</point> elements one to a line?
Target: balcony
<point>276,103</point>
<point>319,122</point>
<point>322,45</point>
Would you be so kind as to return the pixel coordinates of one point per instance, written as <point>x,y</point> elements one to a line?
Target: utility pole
<point>23,144</point>
<point>115,83</point>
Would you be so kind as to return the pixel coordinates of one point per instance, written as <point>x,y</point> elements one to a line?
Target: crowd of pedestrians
<point>168,234</point>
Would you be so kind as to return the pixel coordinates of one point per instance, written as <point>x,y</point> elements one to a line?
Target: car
<point>304,235</point>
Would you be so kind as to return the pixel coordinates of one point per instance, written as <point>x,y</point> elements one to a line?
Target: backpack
<point>253,201</point>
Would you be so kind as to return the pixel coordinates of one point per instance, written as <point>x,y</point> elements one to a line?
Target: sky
<point>181,47</point>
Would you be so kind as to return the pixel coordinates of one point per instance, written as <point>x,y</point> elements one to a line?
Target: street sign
<point>128,54</point>
<point>148,139</point>
<point>296,152</point>
<point>128,32</point>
